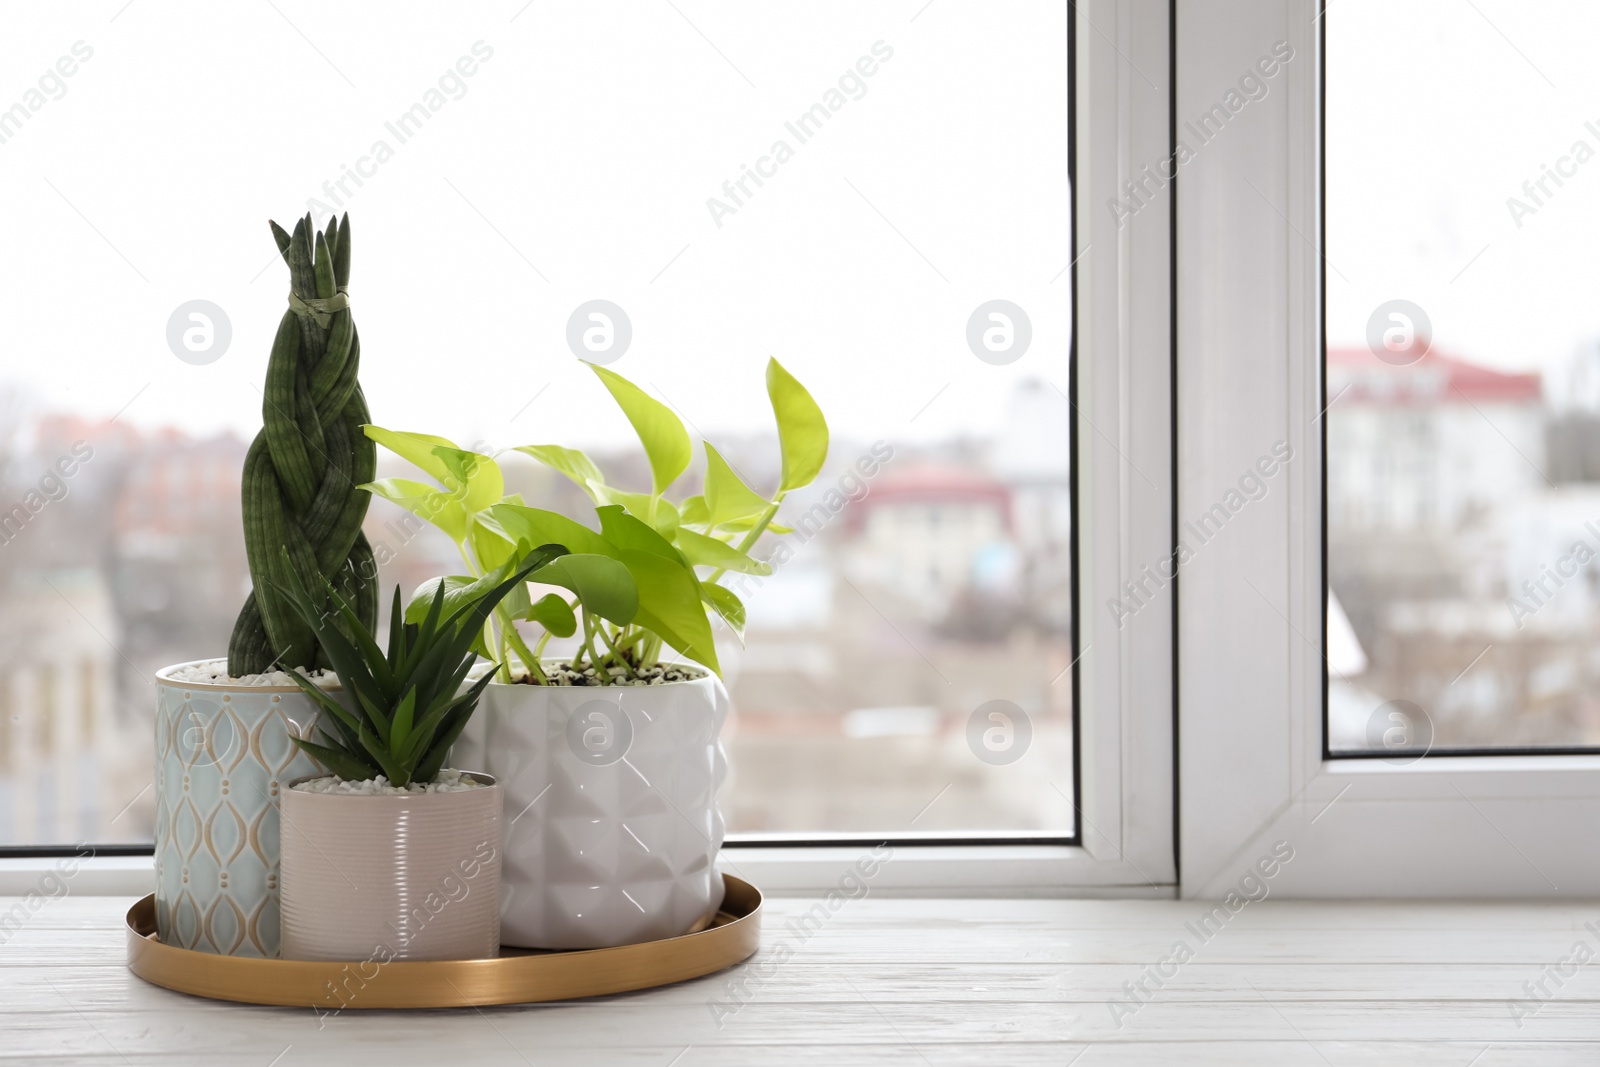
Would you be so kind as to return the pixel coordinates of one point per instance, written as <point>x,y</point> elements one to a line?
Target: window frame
<point>1254,769</point>
<point>1123,676</point>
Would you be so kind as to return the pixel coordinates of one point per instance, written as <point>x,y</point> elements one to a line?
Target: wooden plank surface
<point>931,982</point>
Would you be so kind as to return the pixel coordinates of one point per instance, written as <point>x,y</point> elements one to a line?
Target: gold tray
<point>518,977</point>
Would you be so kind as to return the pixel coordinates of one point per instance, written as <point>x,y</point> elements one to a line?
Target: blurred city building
<point>906,599</point>
<point>1463,511</point>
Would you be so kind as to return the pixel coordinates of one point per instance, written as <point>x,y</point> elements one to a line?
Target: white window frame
<point>1123,442</point>
<point>1123,452</point>
<point>1250,344</point>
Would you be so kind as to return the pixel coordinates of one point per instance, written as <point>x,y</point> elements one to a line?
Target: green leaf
<point>666,442</point>
<point>802,431</point>
<point>459,590</point>
<point>416,447</point>
<point>727,497</point>
<point>397,630</point>
<point>740,525</point>
<point>703,551</point>
<point>392,768</point>
<point>337,712</point>
<point>670,605</point>
<point>569,461</point>
<point>693,512</point>
<point>625,532</point>
<point>450,730</point>
<point>342,653</point>
<point>554,613</point>
<point>490,545</point>
<point>473,477</point>
<point>604,585</point>
<point>725,604</point>
<point>338,761</point>
<point>424,501</point>
<point>539,527</point>
<point>640,506</point>
<point>400,731</point>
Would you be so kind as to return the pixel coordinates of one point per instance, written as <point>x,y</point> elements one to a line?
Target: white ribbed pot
<point>408,876</point>
<point>611,821</point>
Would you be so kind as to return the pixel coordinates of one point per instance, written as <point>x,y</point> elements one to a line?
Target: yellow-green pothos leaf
<point>666,442</point>
<point>802,431</point>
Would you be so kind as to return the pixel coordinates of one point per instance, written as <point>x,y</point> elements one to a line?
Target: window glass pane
<point>1463,375</point>
<point>846,187</point>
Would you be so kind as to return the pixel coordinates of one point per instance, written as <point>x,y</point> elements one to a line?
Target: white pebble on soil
<point>562,674</point>
<point>215,672</point>
<point>448,781</point>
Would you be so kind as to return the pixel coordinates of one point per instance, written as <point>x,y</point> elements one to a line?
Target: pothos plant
<point>645,577</point>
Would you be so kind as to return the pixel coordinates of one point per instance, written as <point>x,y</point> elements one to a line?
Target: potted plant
<point>224,728</point>
<point>393,855</point>
<point>610,757</point>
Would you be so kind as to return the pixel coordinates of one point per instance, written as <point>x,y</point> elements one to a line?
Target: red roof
<point>934,483</point>
<point>1360,377</point>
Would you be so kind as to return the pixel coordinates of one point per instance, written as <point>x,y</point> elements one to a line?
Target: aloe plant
<point>302,469</point>
<point>647,577</point>
<point>409,704</point>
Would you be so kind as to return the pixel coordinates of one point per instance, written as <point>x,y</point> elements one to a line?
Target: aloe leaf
<point>337,710</point>
<point>400,731</point>
<point>441,724</point>
<point>457,631</point>
<point>393,769</point>
<point>375,715</point>
<point>397,630</point>
<point>364,642</point>
<point>337,761</point>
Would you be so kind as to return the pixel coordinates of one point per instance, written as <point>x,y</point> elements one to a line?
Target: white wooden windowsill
<point>897,981</point>
<point>1008,870</point>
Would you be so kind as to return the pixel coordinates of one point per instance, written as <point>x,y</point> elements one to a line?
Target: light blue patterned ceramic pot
<point>222,755</point>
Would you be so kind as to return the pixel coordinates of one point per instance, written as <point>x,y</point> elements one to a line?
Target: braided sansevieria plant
<point>302,471</point>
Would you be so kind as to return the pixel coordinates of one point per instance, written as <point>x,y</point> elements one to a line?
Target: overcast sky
<point>577,159</point>
<point>574,163</point>
<point>1438,112</point>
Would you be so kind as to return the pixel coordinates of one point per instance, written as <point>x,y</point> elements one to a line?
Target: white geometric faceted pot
<point>611,821</point>
<point>223,755</point>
